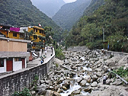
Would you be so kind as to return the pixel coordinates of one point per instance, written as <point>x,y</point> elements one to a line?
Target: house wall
<point>36,33</point>
<point>17,65</point>
<point>10,34</point>
<point>3,69</point>
<point>12,46</point>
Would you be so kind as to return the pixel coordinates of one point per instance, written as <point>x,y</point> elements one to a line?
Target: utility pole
<point>103,34</point>
<point>103,38</point>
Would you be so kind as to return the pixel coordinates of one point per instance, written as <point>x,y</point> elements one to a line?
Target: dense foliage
<point>110,19</point>
<point>70,13</point>
<point>122,72</point>
<point>22,13</point>
<point>58,51</point>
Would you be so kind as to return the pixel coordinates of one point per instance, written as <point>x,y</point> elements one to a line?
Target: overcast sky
<point>68,1</point>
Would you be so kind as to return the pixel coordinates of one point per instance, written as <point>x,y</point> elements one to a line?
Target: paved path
<point>38,60</point>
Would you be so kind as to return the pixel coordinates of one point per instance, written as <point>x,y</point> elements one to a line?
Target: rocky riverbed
<point>81,74</point>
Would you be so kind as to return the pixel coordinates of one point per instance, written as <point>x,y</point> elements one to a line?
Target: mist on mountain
<point>49,7</point>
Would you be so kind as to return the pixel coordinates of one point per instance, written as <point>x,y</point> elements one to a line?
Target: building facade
<point>11,32</point>
<point>13,54</point>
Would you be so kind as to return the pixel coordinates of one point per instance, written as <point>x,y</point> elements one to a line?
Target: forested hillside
<point>70,13</point>
<point>110,19</point>
<point>23,13</point>
<point>94,5</point>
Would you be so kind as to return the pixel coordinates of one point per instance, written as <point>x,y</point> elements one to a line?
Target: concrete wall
<point>18,80</point>
<point>3,69</point>
<point>12,46</point>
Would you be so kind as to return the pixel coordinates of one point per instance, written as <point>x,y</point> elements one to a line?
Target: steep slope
<point>70,13</point>
<point>109,21</point>
<point>94,5</point>
<point>49,7</point>
<point>23,13</point>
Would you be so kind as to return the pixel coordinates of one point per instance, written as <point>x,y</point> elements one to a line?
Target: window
<point>35,30</point>
<point>35,37</point>
<point>21,35</point>
<point>1,62</point>
<point>14,34</point>
<point>17,59</point>
<point>40,31</point>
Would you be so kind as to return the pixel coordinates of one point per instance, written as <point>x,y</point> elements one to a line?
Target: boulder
<point>59,90</point>
<point>94,84</point>
<point>98,74</point>
<point>64,88</point>
<point>88,89</point>
<point>94,77</point>
<point>83,83</point>
<point>76,92</point>
<point>105,68</point>
<point>79,80</point>
<point>56,94</point>
<point>117,82</point>
<point>49,93</point>
<point>42,91</point>
<point>98,70</point>
<point>108,81</point>
<point>123,60</point>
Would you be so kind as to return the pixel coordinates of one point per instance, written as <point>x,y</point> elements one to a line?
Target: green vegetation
<point>57,65</point>
<point>59,54</point>
<point>34,82</point>
<point>121,72</point>
<point>58,51</point>
<point>23,13</point>
<point>111,18</point>
<point>25,92</point>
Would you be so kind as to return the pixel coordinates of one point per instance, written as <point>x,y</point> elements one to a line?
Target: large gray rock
<point>94,78</point>
<point>123,61</point>
<point>49,93</point>
<point>117,82</point>
<point>88,89</point>
<point>56,94</point>
<point>98,74</point>
<point>42,91</point>
<point>112,61</point>
<point>83,83</point>
<point>79,80</point>
<point>94,84</point>
<point>76,92</point>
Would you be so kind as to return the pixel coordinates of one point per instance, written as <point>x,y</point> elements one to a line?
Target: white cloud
<point>69,1</point>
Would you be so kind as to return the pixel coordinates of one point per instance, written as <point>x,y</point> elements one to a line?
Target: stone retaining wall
<point>18,80</point>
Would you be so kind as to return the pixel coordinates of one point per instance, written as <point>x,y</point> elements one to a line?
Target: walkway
<point>38,60</point>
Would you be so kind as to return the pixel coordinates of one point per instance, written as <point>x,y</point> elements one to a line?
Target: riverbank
<point>81,74</point>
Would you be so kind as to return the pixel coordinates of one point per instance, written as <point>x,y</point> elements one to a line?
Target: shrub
<point>25,92</point>
<point>59,54</point>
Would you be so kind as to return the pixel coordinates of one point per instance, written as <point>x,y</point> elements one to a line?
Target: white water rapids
<point>74,85</point>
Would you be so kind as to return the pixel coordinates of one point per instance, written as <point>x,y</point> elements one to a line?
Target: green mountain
<point>108,25</point>
<point>94,5</point>
<point>69,13</point>
<point>23,13</point>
